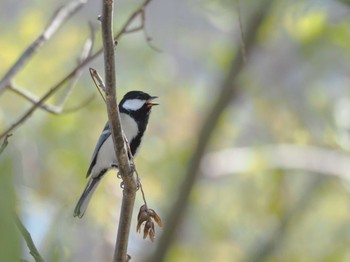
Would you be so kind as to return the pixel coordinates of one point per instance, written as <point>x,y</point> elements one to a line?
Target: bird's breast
<point>129,126</point>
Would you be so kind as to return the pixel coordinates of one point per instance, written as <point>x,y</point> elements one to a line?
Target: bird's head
<point>137,102</point>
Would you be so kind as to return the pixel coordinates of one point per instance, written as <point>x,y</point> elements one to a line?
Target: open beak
<point>150,102</point>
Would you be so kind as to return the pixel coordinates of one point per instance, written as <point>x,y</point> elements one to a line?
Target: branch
<point>4,143</point>
<point>130,187</point>
<point>71,75</point>
<point>58,109</point>
<point>61,15</point>
<point>241,36</point>
<point>132,17</point>
<point>27,237</point>
<point>55,110</point>
<point>228,91</point>
<point>283,156</point>
<point>39,103</point>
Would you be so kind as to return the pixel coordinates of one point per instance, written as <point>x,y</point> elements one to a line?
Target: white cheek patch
<point>133,104</point>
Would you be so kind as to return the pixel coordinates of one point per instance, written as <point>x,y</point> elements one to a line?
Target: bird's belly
<point>105,158</point>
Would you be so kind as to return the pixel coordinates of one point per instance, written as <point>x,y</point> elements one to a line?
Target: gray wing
<point>105,134</point>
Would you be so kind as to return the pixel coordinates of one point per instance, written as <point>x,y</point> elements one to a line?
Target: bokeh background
<point>252,205</point>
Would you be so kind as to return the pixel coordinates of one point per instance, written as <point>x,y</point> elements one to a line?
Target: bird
<point>135,108</point>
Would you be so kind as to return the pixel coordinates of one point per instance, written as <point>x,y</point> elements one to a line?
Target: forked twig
<point>100,85</point>
<point>143,28</point>
<point>58,109</point>
<point>71,74</point>
<point>60,16</point>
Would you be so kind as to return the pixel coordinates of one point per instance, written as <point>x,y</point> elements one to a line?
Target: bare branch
<point>40,102</point>
<point>282,156</point>
<point>60,16</point>
<point>33,99</point>
<point>56,110</point>
<point>130,187</point>
<point>132,17</point>
<point>241,36</point>
<point>4,143</point>
<point>141,12</point>
<point>100,85</point>
<point>229,89</point>
<point>27,237</point>
<point>71,74</point>
<point>87,49</point>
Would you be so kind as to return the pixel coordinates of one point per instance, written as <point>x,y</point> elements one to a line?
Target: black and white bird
<point>135,109</point>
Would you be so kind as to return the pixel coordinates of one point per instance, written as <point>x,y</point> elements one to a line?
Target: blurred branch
<point>241,36</point>
<point>72,74</point>
<point>228,92</point>
<point>125,171</point>
<point>60,16</point>
<point>58,109</point>
<point>39,103</point>
<point>141,12</point>
<point>87,50</point>
<point>4,143</point>
<point>132,17</point>
<point>308,158</point>
<point>32,98</point>
<point>27,237</point>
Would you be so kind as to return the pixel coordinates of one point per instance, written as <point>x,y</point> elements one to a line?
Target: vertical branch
<point>229,89</point>
<point>129,191</point>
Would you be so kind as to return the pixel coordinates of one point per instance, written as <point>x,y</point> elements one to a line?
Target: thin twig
<point>131,18</point>
<point>241,35</point>
<point>33,99</point>
<point>27,237</point>
<point>40,102</point>
<point>98,81</point>
<point>229,89</point>
<point>73,77</point>
<point>130,187</point>
<point>141,188</point>
<point>58,109</point>
<point>5,143</point>
<point>71,74</point>
<point>87,50</point>
<point>60,16</point>
<point>143,27</point>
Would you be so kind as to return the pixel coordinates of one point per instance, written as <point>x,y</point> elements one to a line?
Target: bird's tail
<point>86,196</point>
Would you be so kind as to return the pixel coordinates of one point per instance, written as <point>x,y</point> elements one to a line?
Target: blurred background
<point>274,184</point>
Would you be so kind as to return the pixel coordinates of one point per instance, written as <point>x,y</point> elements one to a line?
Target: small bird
<point>135,109</point>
